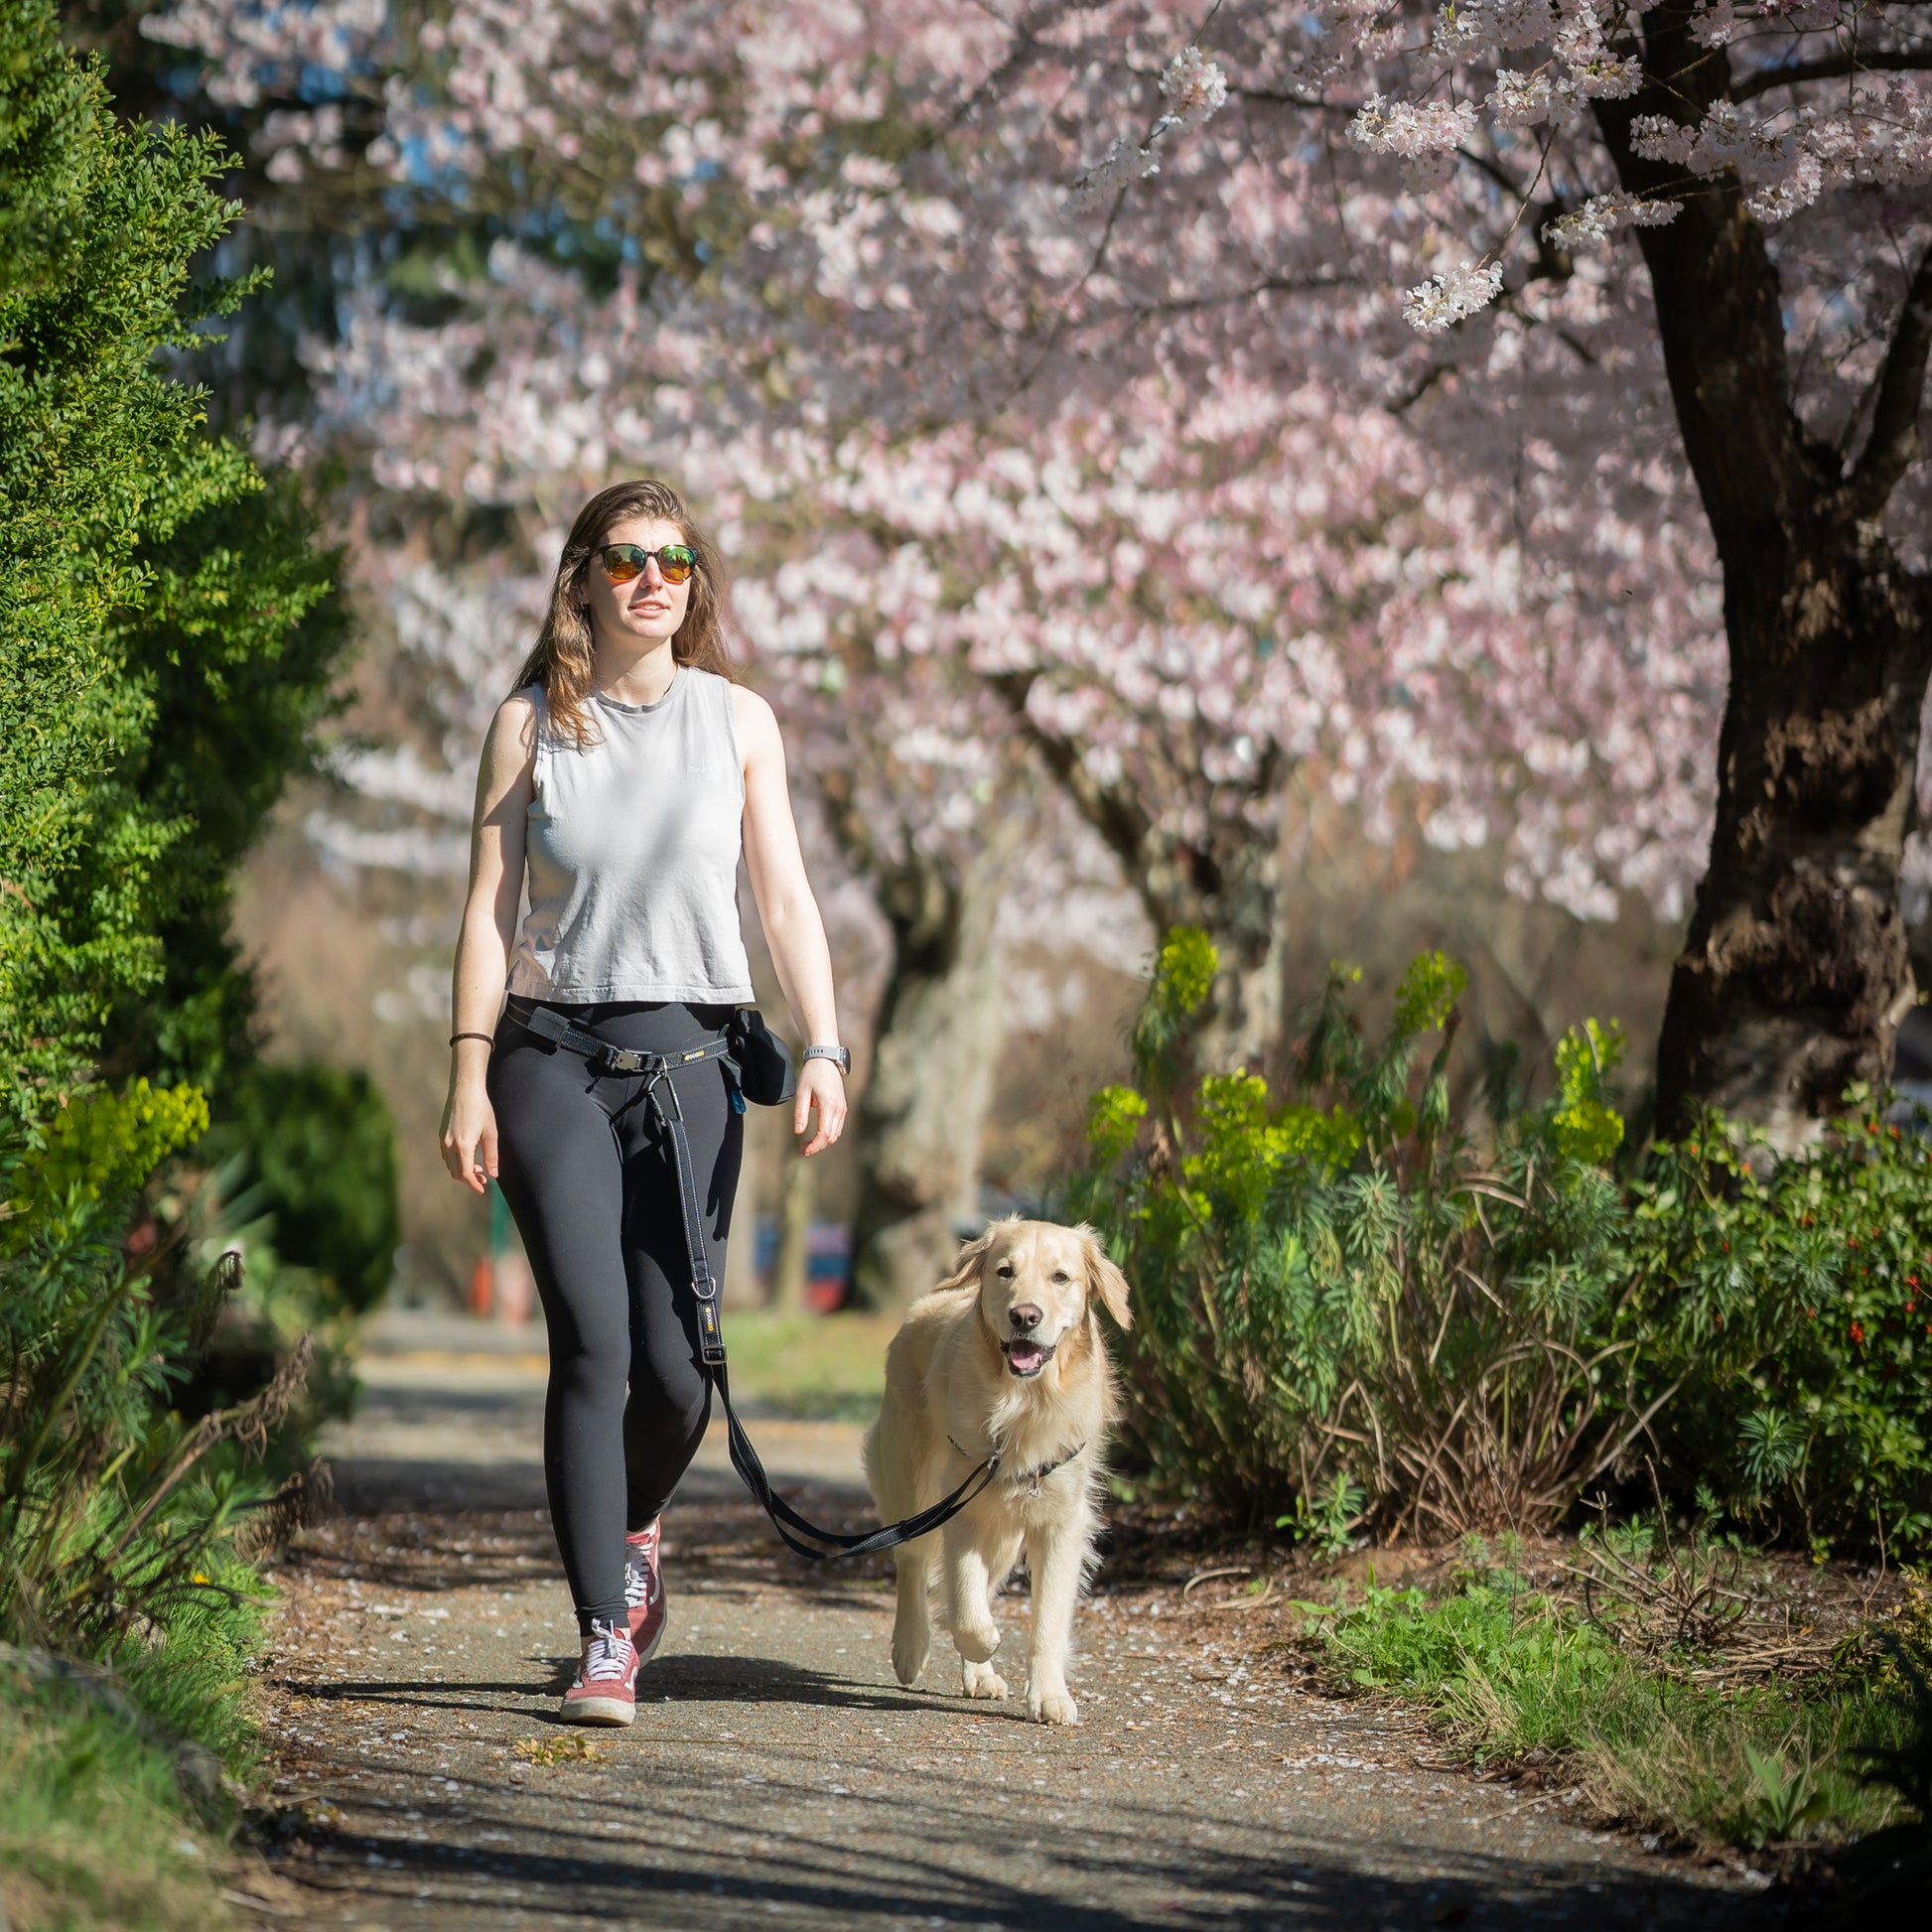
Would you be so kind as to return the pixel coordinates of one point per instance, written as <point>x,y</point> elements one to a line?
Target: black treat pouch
<point>766,1076</point>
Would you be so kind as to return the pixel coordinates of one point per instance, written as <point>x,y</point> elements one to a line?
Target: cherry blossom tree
<point>1771,163</point>
<point>1155,462</point>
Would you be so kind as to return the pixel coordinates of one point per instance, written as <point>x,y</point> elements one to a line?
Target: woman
<point>624,777</point>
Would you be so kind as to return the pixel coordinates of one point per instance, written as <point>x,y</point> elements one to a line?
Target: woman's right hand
<point>470,1134</point>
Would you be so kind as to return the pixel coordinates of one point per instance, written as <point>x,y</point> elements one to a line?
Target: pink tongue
<point>1027,1354</point>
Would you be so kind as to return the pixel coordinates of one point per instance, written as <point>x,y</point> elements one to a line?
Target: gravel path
<point>779,1777</point>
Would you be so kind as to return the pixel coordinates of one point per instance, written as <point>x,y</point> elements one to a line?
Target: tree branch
<point>1275,98</point>
<point>1190,304</point>
<point>1897,393</point>
<point>1496,173</point>
<point>1833,66</point>
<point>1112,812</point>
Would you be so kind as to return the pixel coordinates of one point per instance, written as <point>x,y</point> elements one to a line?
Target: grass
<point>96,1829</point>
<point>816,1368</point>
<point>1515,1675</point>
<point>113,1807</point>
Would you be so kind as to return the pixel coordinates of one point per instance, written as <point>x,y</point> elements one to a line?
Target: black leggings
<point>596,1199</point>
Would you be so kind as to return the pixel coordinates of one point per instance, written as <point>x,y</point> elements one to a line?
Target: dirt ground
<point>779,1777</point>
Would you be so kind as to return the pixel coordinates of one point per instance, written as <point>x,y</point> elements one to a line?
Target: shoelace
<point>640,1560</point>
<point>607,1659</point>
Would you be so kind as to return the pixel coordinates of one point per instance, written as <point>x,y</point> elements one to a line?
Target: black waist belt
<point>660,1071</point>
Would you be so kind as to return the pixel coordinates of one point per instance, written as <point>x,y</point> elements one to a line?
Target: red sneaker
<point>606,1689</point>
<point>644,1591</point>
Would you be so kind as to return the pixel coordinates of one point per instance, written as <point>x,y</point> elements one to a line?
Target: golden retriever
<point>1007,1354</point>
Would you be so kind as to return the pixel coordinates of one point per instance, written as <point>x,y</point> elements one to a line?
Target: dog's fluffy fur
<point>1008,1354</point>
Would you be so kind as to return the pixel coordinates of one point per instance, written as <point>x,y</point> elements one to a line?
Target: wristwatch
<point>841,1056</point>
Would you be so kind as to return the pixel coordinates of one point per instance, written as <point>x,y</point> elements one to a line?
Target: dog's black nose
<point>1025,1318</point>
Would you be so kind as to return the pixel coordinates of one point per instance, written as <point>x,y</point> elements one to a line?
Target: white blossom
<point>1714,23</point>
<point>1656,137</point>
<point>1593,221</point>
<point>1598,216</point>
<point>1197,87</point>
<point>1452,294</point>
<point>1124,163</point>
<point>1411,127</point>
<point>1730,138</point>
<point>1778,200</point>
<point>1463,28</point>
<point>1507,23</point>
<point>1605,78</point>
<point>1580,40</point>
<point>1521,99</point>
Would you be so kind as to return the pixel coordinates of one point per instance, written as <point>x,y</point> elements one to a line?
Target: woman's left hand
<point>821,1089</point>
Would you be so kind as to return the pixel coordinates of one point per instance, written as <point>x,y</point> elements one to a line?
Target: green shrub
<point>1360,1314</point>
<point>168,628</point>
<point>235,646</point>
<point>315,1150</point>
<point>115,1512</point>
<point>1802,1292</point>
<point>1341,1296</point>
<point>169,632</point>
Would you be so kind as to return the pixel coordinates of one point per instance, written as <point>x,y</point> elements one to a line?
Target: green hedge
<point>169,628</point>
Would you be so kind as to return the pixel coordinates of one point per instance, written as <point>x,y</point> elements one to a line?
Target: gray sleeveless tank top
<point>632,845</point>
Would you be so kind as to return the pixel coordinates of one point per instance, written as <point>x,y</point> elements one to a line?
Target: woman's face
<point>646,611</point>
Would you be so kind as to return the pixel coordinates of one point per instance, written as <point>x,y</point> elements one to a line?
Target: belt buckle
<point>626,1059</point>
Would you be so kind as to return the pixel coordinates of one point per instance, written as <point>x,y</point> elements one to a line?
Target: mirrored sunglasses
<point>624,561</point>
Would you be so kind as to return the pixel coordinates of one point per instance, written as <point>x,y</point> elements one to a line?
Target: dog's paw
<point>983,1681</point>
<point>1052,1708</point>
<point>910,1652</point>
<point>977,1642</point>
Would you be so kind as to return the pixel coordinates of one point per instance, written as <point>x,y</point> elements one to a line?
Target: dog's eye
<point>1060,1275</point>
<point>1004,1271</point>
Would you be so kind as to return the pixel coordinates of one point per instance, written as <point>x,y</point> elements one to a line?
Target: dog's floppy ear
<point>1104,1278</point>
<point>972,1259</point>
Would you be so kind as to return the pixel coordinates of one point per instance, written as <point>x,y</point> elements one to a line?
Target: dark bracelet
<point>453,1037</point>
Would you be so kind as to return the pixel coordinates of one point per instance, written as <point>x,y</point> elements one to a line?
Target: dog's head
<point>1038,1282</point>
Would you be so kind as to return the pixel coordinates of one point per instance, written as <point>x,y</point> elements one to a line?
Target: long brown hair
<point>565,656</point>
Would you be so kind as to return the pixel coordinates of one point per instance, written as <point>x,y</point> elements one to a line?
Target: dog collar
<point>1031,1478</point>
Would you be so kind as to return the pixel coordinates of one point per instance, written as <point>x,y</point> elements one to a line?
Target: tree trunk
<point>792,1265</point>
<point>1794,975</point>
<point>1226,881</point>
<point>925,1105</point>
<point>1243,1023</point>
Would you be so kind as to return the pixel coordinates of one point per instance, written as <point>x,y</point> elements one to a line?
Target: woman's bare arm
<point>789,913</point>
<point>505,783</point>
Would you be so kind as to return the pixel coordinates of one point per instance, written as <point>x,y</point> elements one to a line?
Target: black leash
<point>658,1070</point>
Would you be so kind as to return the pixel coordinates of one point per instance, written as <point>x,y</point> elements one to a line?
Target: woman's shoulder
<point>716,685</point>
<point>519,723</point>
<point>522,709</point>
<point>752,718</point>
